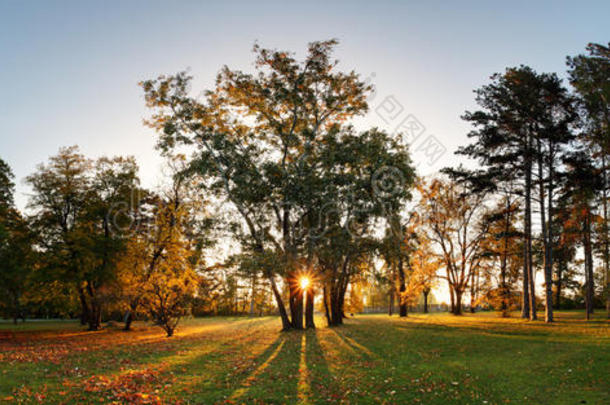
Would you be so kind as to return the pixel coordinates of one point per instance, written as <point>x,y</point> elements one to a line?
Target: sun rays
<point>304,282</point>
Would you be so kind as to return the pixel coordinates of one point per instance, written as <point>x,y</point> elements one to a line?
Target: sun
<point>304,282</point>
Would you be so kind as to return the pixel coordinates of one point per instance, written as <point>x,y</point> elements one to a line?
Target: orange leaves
<point>25,394</point>
<point>134,387</point>
<point>54,347</point>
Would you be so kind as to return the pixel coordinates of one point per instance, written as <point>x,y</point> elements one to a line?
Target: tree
<point>58,203</point>
<point>7,187</point>
<point>396,248</point>
<point>590,77</point>
<point>266,143</point>
<point>566,245</point>
<point>73,204</point>
<point>17,262</point>
<point>368,178</point>
<point>524,123</point>
<point>504,148</point>
<point>158,272</point>
<point>554,121</point>
<point>16,249</point>
<point>113,184</point>
<point>452,218</point>
<point>173,282</point>
<point>424,265</point>
<point>581,187</point>
<point>501,248</point>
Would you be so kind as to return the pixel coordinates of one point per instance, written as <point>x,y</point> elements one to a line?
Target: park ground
<point>428,359</point>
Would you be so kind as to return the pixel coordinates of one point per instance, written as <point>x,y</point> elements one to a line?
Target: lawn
<point>428,359</point>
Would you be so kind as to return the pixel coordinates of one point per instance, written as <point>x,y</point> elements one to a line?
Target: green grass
<point>428,359</point>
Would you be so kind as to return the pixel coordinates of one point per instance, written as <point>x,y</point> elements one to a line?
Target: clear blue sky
<point>69,70</point>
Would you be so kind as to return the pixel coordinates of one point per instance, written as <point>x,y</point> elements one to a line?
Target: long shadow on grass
<point>235,372</point>
<point>564,325</point>
<point>279,381</point>
<point>250,377</point>
<point>228,366</point>
<point>357,347</point>
<point>321,379</point>
<point>525,333</point>
<point>292,370</point>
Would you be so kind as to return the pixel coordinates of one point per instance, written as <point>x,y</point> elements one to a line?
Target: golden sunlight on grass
<point>304,389</point>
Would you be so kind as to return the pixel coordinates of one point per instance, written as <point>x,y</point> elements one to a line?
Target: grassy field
<point>431,359</point>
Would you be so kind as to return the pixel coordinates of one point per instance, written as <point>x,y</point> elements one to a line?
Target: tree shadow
<point>232,374</point>
<point>321,379</point>
<point>236,369</point>
<point>261,364</point>
<point>354,345</point>
<point>294,369</point>
<point>523,331</point>
<point>279,380</point>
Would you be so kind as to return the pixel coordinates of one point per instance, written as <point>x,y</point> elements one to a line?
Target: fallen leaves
<point>34,347</point>
<point>133,387</point>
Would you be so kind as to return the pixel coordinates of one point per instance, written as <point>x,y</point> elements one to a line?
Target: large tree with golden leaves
<point>277,147</point>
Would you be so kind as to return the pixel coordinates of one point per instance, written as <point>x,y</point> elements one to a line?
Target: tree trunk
<point>606,237</point>
<point>528,230</point>
<point>525,293</point>
<point>16,307</point>
<point>426,292</point>
<point>452,298</point>
<point>85,313</point>
<point>286,325</point>
<point>402,301</point>
<point>130,314</point>
<point>589,282</point>
<point>343,291</point>
<point>457,310</point>
<point>545,223</point>
<point>326,310</point>
<point>337,284</point>
<point>548,317</point>
<point>95,308</point>
<point>252,295</point>
<point>336,315</point>
<point>472,293</point>
<point>95,322</point>
<point>558,283</point>
<point>504,261</point>
<point>391,301</point>
<point>128,320</point>
<point>309,297</point>
<point>532,280</point>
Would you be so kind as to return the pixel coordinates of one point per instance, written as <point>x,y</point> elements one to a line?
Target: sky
<point>70,70</point>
